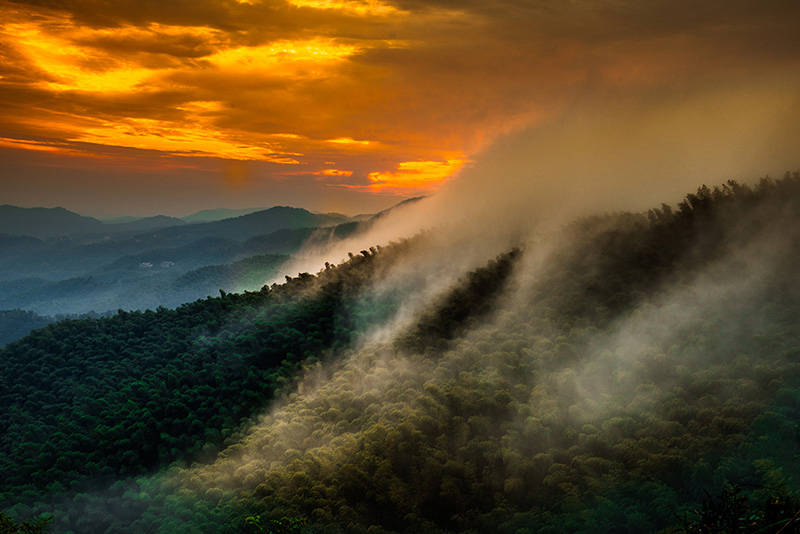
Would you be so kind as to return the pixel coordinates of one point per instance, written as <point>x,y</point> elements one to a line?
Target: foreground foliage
<point>34,526</point>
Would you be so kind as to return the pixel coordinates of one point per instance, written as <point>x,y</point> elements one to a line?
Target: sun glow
<point>348,141</point>
<point>415,175</point>
<point>362,7</point>
<point>286,57</point>
<point>28,144</point>
<point>398,94</point>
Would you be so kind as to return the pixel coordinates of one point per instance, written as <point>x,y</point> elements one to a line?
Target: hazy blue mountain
<point>65,258</point>
<point>15,324</point>
<point>120,267</point>
<point>122,219</point>
<point>144,224</point>
<point>45,222</point>
<point>253,224</point>
<point>18,243</point>
<point>204,251</point>
<point>141,287</point>
<point>218,214</point>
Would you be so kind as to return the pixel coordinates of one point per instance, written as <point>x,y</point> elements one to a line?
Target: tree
<point>39,525</point>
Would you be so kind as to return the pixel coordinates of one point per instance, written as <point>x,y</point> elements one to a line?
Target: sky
<point>144,107</point>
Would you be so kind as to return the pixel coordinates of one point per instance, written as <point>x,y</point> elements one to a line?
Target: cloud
<point>608,154</point>
<point>417,175</point>
<point>361,7</point>
<point>417,80</point>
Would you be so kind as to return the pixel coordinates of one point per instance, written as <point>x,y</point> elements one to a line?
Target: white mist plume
<point>606,152</point>
<point>721,304</point>
<point>601,156</point>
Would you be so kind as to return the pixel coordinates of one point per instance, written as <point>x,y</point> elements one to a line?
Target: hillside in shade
<point>253,224</point>
<point>625,373</point>
<point>218,214</point>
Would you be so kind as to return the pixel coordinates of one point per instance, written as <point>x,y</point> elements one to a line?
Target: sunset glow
<point>67,67</point>
<point>186,140</point>
<point>395,96</point>
<point>416,175</point>
<point>288,57</point>
<point>363,7</point>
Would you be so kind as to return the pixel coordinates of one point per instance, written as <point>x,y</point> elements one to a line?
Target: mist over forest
<point>520,267</point>
<point>618,371</point>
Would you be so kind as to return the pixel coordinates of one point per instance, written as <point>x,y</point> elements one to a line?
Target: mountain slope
<point>602,379</point>
<point>144,224</point>
<point>218,214</point>
<point>253,224</point>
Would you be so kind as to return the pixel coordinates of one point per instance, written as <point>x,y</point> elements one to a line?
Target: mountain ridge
<point>45,223</point>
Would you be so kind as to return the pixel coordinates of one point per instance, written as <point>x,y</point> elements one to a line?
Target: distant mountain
<point>199,253</point>
<point>218,214</point>
<point>253,224</point>
<point>375,216</point>
<point>15,324</point>
<point>144,224</point>
<point>119,220</point>
<point>45,222</point>
<point>18,243</point>
<point>238,224</point>
<point>136,264</point>
<point>334,215</point>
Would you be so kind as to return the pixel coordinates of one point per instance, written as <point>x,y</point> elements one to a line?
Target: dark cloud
<point>155,43</point>
<point>249,24</point>
<point>113,13</point>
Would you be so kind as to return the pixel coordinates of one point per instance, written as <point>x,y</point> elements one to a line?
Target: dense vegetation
<point>38,525</point>
<point>617,379</point>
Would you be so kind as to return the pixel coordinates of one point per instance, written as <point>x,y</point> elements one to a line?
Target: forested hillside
<point>627,373</point>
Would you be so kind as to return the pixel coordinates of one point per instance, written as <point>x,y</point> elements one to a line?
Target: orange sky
<point>140,107</point>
